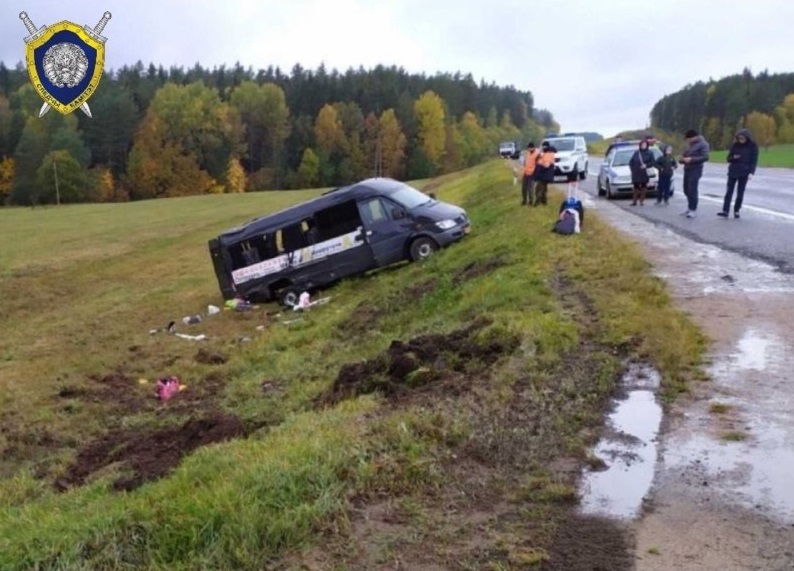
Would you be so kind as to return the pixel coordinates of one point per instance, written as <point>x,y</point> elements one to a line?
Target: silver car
<point>614,178</point>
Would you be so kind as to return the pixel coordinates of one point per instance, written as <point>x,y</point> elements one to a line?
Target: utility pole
<point>57,189</point>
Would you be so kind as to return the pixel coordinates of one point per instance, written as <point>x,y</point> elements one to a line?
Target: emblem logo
<point>65,63</point>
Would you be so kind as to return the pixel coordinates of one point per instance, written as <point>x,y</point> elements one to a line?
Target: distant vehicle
<point>614,177</point>
<point>572,159</point>
<point>345,232</point>
<point>508,149</point>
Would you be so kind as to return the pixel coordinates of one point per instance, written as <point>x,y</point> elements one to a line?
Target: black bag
<point>566,224</point>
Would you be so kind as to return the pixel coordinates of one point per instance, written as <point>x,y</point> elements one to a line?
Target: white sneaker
<point>691,214</point>
<point>685,213</point>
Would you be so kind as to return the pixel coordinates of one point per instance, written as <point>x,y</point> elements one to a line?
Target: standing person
<point>530,163</point>
<point>742,160</point>
<point>693,158</point>
<point>544,174</point>
<point>666,165</point>
<point>640,162</point>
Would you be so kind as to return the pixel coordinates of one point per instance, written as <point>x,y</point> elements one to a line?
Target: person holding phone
<point>742,161</point>
<point>693,158</point>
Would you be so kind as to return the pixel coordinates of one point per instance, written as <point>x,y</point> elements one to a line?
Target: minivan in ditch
<point>344,232</point>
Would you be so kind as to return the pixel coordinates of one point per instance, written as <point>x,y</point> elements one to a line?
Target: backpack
<point>566,224</point>
<point>573,202</point>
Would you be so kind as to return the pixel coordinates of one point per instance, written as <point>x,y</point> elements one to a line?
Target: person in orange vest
<point>530,160</point>
<point>544,174</point>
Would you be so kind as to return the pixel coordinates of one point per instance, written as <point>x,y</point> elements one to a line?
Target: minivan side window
<point>374,210</point>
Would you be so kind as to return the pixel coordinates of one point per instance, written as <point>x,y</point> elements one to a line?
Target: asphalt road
<point>765,231</point>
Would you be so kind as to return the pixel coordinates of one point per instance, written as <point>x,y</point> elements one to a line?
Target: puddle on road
<point>754,350</point>
<point>756,473</point>
<point>628,448</point>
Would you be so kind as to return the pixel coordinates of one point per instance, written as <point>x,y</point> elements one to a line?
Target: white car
<point>571,158</point>
<point>614,178</point>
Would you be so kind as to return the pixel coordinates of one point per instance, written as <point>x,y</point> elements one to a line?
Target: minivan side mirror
<point>397,213</point>
<point>432,195</point>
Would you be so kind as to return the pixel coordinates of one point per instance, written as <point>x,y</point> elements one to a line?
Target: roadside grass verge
<point>439,412</point>
<point>776,156</point>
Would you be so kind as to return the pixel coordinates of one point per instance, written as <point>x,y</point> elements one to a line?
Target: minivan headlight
<point>446,224</point>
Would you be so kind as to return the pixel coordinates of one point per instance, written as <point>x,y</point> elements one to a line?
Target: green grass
<point>779,156</point>
<point>83,285</point>
<point>719,408</point>
<point>734,436</point>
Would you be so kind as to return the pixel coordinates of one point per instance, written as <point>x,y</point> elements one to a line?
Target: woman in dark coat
<point>640,162</point>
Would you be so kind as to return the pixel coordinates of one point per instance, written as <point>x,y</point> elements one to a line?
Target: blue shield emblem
<point>65,63</point>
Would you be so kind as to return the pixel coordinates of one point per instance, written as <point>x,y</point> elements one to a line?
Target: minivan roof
<point>293,214</point>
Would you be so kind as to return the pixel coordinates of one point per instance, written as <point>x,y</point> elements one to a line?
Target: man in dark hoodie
<point>742,160</point>
<point>693,158</point>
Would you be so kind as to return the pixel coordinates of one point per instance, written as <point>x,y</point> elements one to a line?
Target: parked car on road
<point>571,157</point>
<point>614,177</point>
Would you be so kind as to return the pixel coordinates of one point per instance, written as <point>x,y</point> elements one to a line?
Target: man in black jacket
<point>693,158</point>
<point>742,160</point>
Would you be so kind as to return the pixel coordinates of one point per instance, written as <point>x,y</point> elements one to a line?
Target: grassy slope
<point>79,309</point>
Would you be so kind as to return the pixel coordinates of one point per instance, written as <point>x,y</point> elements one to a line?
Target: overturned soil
<point>449,360</point>
<point>483,513</point>
<point>144,454</point>
<point>478,268</point>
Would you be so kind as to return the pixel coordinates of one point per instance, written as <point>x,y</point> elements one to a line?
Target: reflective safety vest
<point>530,161</point>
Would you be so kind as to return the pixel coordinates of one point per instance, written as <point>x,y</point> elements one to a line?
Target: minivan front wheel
<point>422,248</point>
<point>289,297</point>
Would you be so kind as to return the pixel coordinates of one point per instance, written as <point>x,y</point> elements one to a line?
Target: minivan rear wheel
<point>422,248</point>
<point>289,297</point>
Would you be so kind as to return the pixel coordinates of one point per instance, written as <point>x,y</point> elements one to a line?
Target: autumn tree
<point>102,184</point>
<point>712,130</point>
<point>309,170</point>
<point>392,145</point>
<point>159,167</point>
<point>6,179</point>
<point>194,118</point>
<point>474,144</point>
<point>429,110</point>
<point>235,176</point>
<point>784,117</point>
<point>6,122</point>
<point>265,116</point>
<point>61,177</point>
<point>762,127</point>
<point>109,133</point>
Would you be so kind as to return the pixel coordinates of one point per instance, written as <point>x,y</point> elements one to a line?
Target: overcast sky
<point>597,65</point>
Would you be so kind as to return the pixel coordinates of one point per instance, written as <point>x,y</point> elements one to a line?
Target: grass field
<point>430,414</point>
<point>779,156</point>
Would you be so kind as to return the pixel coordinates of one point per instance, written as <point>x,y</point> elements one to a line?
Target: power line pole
<point>57,189</point>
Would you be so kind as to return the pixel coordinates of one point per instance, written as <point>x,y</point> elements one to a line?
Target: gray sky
<point>598,66</point>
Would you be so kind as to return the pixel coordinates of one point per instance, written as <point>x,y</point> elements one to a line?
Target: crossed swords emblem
<point>95,33</point>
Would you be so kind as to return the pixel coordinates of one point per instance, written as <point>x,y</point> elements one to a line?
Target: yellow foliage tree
<point>6,178</point>
<point>474,139</point>
<point>762,127</point>
<point>235,176</point>
<point>329,132</point>
<point>392,144</point>
<point>431,131</point>
<point>712,130</point>
<point>784,116</point>
<point>104,187</point>
<point>309,169</point>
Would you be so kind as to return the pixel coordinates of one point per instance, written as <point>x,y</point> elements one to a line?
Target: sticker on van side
<point>297,258</point>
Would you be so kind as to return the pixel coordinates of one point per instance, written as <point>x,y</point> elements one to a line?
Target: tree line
<point>159,132</point>
<point>763,103</point>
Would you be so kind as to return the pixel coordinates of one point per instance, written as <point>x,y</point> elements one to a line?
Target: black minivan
<point>344,232</point>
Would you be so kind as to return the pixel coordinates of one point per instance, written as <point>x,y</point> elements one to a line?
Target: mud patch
<point>207,357</point>
<point>450,360</point>
<point>144,455</point>
<point>478,268</point>
<point>589,544</point>
<point>420,289</point>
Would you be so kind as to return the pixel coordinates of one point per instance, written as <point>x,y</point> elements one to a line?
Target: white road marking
<point>760,210</point>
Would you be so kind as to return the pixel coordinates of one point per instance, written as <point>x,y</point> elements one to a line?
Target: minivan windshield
<point>409,197</point>
<point>563,144</point>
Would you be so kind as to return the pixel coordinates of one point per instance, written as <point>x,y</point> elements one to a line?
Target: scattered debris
<point>167,387</point>
<point>191,319</point>
<point>213,309</point>
<point>201,337</point>
<point>239,304</point>
<point>292,321</point>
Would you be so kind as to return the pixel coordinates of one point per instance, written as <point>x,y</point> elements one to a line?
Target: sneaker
<point>722,214</point>
<point>735,215</point>
<point>691,214</point>
<point>685,213</point>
